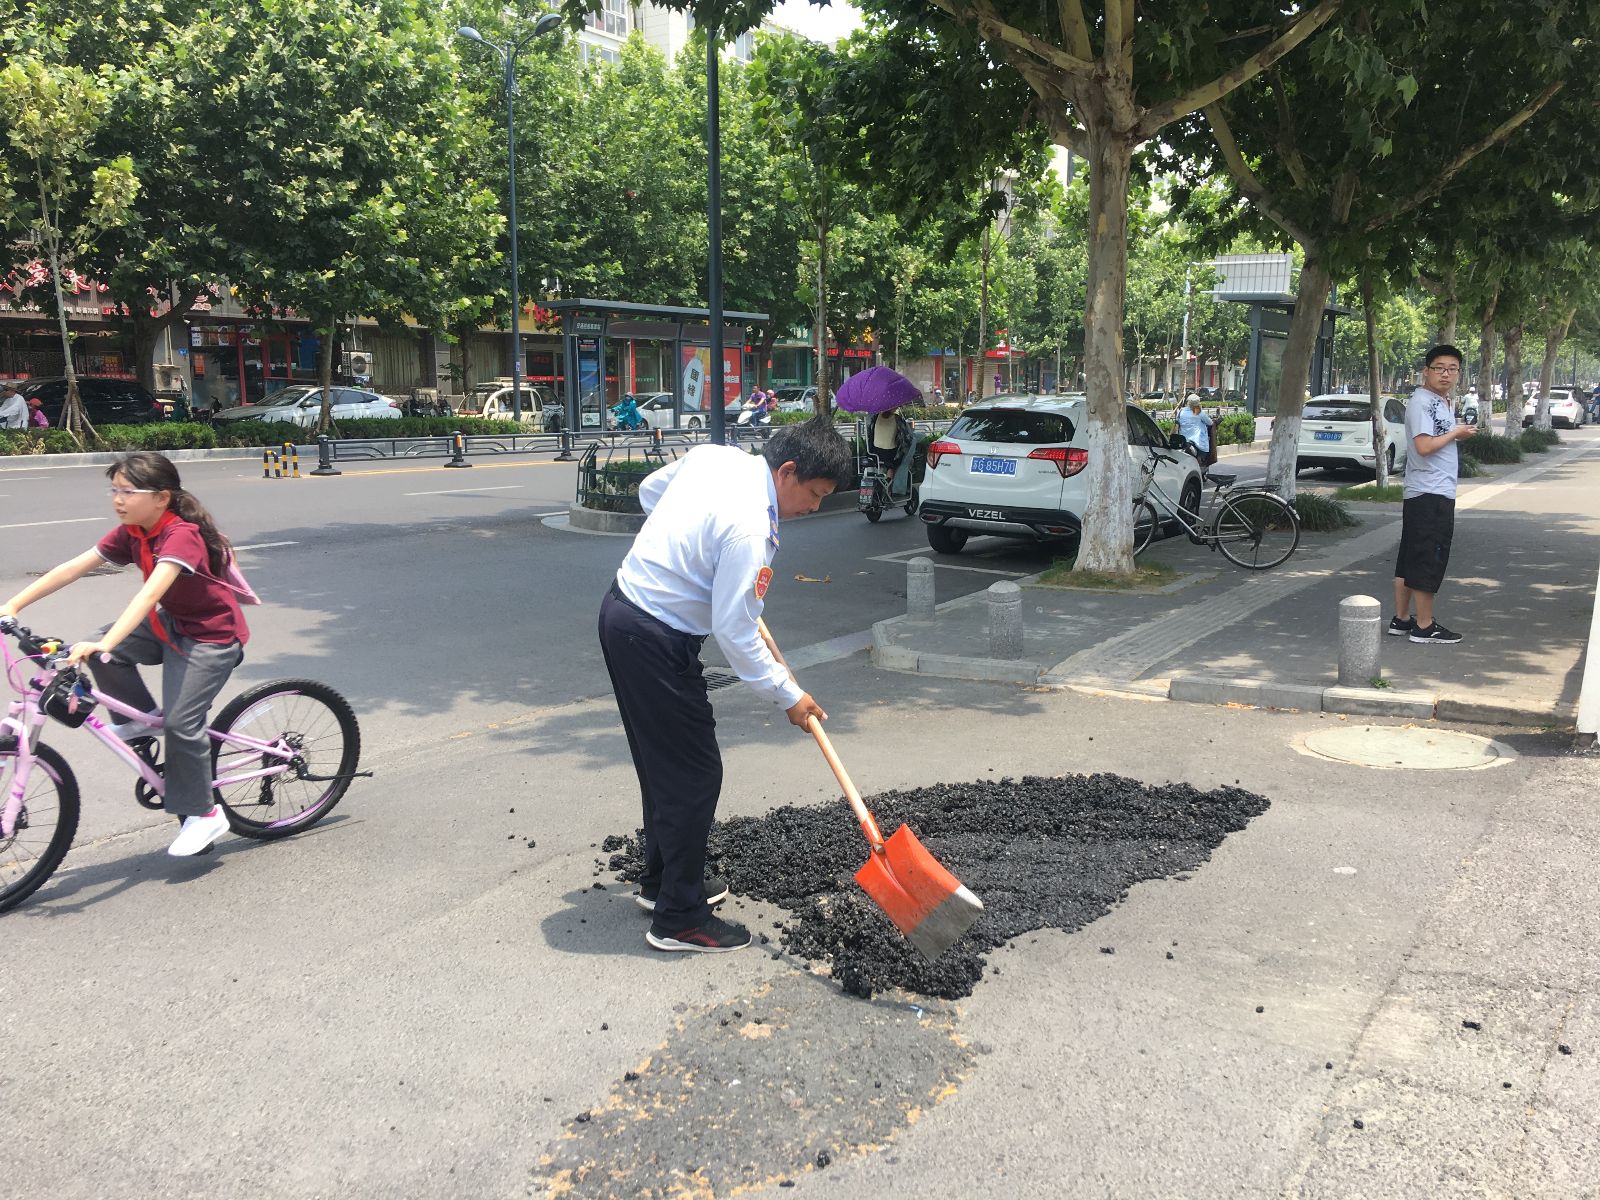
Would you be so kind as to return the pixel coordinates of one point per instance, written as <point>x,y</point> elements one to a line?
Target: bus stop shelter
<point>1265,283</point>
<point>595,334</point>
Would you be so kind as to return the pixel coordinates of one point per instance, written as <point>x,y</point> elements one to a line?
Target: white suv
<point>1336,431</point>
<point>1012,466</point>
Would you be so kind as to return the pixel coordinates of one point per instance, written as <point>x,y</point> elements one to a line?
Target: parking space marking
<point>499,487</point>
<point>902,556</point>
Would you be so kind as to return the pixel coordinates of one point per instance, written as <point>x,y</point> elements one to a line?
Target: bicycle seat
<point>1219,479</point>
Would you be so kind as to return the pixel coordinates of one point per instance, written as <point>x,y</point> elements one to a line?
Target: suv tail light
<point>1069,461</point>
<point>938,449</point>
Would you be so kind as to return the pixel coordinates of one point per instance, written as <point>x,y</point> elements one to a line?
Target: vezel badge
<point>763,581</point>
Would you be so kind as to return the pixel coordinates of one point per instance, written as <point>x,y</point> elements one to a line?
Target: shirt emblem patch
<point>763,581</point>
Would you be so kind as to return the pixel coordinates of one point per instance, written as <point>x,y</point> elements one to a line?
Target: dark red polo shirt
<point>200,606</point>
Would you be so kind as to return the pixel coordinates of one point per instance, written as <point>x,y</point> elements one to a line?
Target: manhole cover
<point>1405,748</point>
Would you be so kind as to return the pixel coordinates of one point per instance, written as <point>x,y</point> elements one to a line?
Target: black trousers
<point>1427,527</point>
<point>661,693</point>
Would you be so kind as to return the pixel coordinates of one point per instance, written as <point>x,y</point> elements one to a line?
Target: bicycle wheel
<point>45,826</point>
<point>1257,530</point>
<point>321,727</point>
<point>1145,521</point>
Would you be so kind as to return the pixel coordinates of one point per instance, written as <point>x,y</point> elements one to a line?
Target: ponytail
<point>147,469</point>
<point>218,548</point>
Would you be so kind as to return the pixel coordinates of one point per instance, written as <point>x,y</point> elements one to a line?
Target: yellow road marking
<point>482,466</point>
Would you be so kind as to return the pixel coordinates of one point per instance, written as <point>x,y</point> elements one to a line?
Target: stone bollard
<point>919,589</point>
<point>1005,620</point>
<point>1360,636</point>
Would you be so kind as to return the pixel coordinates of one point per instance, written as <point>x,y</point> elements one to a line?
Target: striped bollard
<point>325,457</point>
<point>458,451</point>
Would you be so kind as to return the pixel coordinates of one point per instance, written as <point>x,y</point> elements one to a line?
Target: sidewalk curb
<point>104,458</point>
<point>890,657</point>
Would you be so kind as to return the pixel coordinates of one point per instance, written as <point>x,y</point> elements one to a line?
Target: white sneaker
<point>198,833</point>
<point>133,731</point>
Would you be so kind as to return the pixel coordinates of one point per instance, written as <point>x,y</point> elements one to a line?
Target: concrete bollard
<point>1360,636</point>
<point>919,589</point>
<point>1005,620</point>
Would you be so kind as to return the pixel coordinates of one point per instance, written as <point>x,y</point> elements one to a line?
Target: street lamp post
<point>716,417</point>
<point>508,59</point>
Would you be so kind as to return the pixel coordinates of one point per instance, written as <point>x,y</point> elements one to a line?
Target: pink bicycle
<point>283,754</point>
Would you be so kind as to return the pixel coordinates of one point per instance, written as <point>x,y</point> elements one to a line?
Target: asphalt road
<point>440,992</point>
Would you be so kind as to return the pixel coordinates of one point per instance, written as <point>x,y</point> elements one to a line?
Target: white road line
<point>69,521</point>
<point>900,556</point>
<point>265,546</point>
<point>558,513</point>
<point>504,487</point>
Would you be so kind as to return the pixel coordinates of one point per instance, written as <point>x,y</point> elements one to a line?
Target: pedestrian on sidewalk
<point>1194,427</point>
<point>1428,515</point>
<point>701,566</point>
<point>13,408</point>
<point>36,417</point>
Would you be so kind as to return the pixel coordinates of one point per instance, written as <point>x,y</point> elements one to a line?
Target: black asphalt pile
<point>1040,853</point>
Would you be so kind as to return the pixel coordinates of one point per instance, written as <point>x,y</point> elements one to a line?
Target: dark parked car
<point>105,401</point>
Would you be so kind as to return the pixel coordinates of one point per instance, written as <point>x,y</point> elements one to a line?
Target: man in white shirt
<point>701,567</point>
<point>13,408</point>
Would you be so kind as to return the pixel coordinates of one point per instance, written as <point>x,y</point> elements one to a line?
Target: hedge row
<point>1236,429</point>
<point>186,435</point>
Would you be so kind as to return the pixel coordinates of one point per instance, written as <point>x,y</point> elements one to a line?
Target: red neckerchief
<point>147,563</point>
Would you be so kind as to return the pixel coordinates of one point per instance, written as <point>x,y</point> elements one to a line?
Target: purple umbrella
<point>876,390</point>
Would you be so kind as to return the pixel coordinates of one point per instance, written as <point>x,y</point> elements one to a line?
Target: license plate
<point>993,466</point>
<point>1324,435</point>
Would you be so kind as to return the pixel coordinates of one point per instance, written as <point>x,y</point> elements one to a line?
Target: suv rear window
<point>1023,427</point>
<point>1339,412</point>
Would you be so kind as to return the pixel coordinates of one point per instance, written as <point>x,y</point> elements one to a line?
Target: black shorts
<point>1426,527</point>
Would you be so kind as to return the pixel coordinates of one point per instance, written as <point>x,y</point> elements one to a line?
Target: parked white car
<point>1566,408</point>
<point>541,409</point>
<point>1013,466</point>
<point>301,405</point>
<point>1336,431</point>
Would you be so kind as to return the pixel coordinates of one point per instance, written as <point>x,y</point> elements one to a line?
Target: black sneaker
<point>1399,628</point>
<point>716,893</point>
<point>716,936</point>
<point>1435,635</point>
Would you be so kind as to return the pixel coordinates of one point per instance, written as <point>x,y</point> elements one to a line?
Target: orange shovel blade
<point>926,903</point>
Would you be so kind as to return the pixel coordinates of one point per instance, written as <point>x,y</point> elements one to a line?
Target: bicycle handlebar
<point>51,651</point>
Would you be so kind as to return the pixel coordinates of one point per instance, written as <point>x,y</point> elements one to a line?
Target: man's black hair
<point>815,448</point>
<point>1443,351</point>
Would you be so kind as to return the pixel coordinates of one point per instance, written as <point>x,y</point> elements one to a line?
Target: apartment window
<point>592,53</point>
<point>744,46</point>
<point>612,18</point>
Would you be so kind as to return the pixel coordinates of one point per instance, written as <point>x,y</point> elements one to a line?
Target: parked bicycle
<point>1253,528</point>
<point>283,754</point>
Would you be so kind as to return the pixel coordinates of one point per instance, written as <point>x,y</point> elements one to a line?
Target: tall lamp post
<point>717,417</point>
<point>508,59</point>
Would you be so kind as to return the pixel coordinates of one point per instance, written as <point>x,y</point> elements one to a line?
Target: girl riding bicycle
<point>186,617</point>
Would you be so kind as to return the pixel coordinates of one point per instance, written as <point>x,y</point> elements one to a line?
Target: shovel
<point>930,906</point>
<point>926,903</point>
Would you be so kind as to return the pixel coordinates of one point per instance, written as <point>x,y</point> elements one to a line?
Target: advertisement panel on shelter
<point>697,377</point>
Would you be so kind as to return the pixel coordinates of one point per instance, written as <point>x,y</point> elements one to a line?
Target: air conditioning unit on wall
<point>358,362</point>
<point>169,377</point>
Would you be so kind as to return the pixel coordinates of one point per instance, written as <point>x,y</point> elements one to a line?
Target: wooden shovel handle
<point>868,825</point>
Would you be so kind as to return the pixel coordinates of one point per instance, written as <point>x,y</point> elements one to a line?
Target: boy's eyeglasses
<point>123,493</point>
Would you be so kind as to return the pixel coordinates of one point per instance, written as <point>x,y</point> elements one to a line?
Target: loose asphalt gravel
<point>1039,852</point>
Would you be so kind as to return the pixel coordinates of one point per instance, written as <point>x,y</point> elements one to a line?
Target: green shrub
<point>1236,429</point>
<point>1320,514</point>
<point>931,412</point>
<point>1492,448</point>
<point>1469,467</point>
<point>1535,441</point>
<point>614,486</point>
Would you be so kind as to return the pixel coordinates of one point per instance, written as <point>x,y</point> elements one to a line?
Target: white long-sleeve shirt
<point>13,412</point>
<point>703,560</point>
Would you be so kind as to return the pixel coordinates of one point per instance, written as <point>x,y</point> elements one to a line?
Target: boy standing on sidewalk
<point>1429,517</point>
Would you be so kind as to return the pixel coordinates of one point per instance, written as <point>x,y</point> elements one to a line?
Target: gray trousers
<point>191,676</point>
